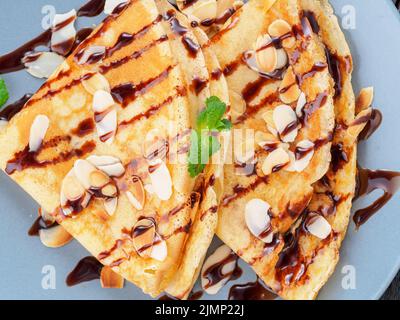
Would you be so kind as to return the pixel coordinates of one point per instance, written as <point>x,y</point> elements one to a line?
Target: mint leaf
<point>3,93</point>
<point>204,141</point>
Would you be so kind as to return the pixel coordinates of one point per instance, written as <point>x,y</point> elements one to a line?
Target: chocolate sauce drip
<point>290,267</point>
<point>84,128</point>
<point>128,92</point>
<point>231,67</point>
<point>216,74</point>
<point>335,71</point>
<point>27,159</point>
<point>253,109</point>
<point>372,125</point>
<point>191,46</point>
<point>87,269</point>
<point>188,3</point>
<point>317,67</point>
<point>40,224</point>
<point>195,295</point>
<point>176,26</point>
<point>214,274</point>
<point>92,8</point>
<point>339,157</point>
<point>251,291</point>
<point>246,169</point>
<point>253,89</point>
<point>313,106</point>
<point>313,20</point>
<point>12,61</point>
<point>198,85</point>
<point>369,181</point>
<point>240,191</point>
<point>12,109</point>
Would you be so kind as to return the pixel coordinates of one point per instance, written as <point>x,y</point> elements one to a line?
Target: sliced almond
<point>282,58</point>
<point>275,161</point>
<point>111,166</point>
<point>136,194</point>
<point>285,121</point>
<point>305,149</point>
<point>55,237</point>
<point>83,170</point>
<point>111,205</point>
<point>301,103</point>
<point>258,220</point>
<point>160,179</point>
<point>289,91</point>
<point>109,191</point>
<point>64,33</point>
<point>143,237</point>
<point>226,261</point>
<point>91,54</point>
<point>318,226</point>
<point>42,64</point>
<point>203,10</point>
<point>102,101</point>
<point>38,132</point>
<point>160,249</point>
<point>266,54</point>
<point>260,137</point>
<point>72,191</point>
<point>281,29</point>
<point>95,83</point>
<point>110,5</point>
<point>364,99</point>
<point>110,279</point>
<point>98,179</point>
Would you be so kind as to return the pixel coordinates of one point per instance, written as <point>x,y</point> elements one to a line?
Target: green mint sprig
<point>204,140</point>
<point>3,93</point>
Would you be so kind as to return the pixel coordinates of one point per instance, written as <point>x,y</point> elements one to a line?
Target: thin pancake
<point>205,218</point>
<point>288,193</point>
<point>313,260</point>
<point>148,88</point>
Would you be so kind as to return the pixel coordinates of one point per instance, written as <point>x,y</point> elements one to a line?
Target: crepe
<point>209,186</point>
<point>334,193</point>
<point>103,145</point>
<point>284,195</point>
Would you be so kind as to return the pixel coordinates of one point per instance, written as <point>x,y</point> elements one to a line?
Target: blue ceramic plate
<point>372,254</point>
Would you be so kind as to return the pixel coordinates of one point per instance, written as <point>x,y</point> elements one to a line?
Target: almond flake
<point>301,103</point>
<point>42,64</point>
<point>110,5</point>
<point>111,166</point>
<point>136,194</point>
<point>275,161</point>
<point>286,122</point>
<point>266,54</point>
<point>364,99</point>
<point>143,237</point>
<point>97,82</point>
<point>159,251</point>
<point>63,35</point>
<point>111,205</point>
<point>38,132</point>
<point>318,226</point>
<point>258,220</point>
<point>54,237</point>
<point>289,91</point>
<point>110,279</point>
<point>281,29</point>
<point>91,54</point>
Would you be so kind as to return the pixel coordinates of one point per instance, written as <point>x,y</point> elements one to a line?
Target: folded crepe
<point>281,90</point>
<point>291,219</point>
<point>103,145</point>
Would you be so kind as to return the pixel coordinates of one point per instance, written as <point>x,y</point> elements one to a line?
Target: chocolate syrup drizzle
<point>256,290</point>
<point>40,224</point>
<point>87,269</point>
<point>12,109</point>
